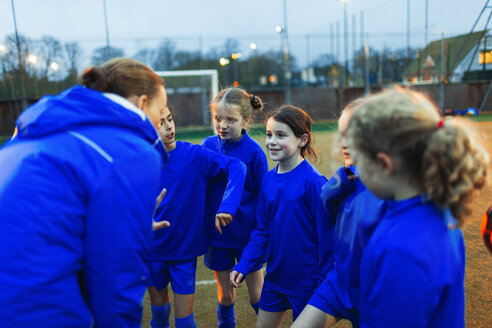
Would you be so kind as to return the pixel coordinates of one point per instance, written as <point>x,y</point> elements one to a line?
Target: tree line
<point>56,65</point>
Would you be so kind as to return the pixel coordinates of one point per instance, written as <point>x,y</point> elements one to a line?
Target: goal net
<point>190,93</point>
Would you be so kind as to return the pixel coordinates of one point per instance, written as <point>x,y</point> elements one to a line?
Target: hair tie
<point>440,123</point>
<point>252,100</point>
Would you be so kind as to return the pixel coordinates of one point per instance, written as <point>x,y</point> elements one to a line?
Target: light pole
<point>108,47</point>
<point>224,62</point>
<point>286,60</point>
<point>32,59</point>
<point>19,57</point>
<point>235,69</point>
<point>253,71</point>
<point>345,41</point>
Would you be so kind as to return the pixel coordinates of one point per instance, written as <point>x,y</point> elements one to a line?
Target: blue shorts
<point>272,301</point>
<point>181,275</point>
<point>222,259</point>
<point>327,300</point>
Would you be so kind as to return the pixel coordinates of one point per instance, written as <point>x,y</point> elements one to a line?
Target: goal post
<point>189,89</point>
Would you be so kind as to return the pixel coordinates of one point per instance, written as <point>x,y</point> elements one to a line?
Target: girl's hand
<point>236,279</point>
<point>222,219</point>
<point>160,224</point>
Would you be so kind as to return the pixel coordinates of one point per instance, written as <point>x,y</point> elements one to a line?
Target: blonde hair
<point>238,97</point>
<point>441,158</point>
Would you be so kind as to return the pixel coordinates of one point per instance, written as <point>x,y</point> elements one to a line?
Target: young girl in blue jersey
<point>355,212</point>
<point>186,175</point>
<point>231,111</point>
<point>293,227</point>
<point>412,269</point>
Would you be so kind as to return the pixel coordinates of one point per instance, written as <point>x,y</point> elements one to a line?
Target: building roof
<point>430,57</point>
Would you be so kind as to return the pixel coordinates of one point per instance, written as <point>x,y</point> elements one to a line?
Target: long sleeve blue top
<point>294,231</point>
<point>356,212</point>
<point>186,176</point>
<point>78,187</point>
<point>237,233</point>
<point>412,270</point>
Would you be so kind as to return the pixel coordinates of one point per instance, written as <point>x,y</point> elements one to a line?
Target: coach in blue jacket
<point>78,187</point>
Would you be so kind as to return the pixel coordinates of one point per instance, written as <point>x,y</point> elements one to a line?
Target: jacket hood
<point>80,107</point>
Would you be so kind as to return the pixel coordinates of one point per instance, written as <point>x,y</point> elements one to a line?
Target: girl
<point>412,270</point>
<point>231,111</point>
<point>78,188</point>
<point>186,175</point>
<point>355,212</point>
<point>293,228</point>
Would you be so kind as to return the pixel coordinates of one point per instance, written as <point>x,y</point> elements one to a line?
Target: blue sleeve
<point>324,227</point>
<point>117,243</point>
<point>259,168</point>
<point>395,291</point>
<point>254,253</point>
<point>215,164</point>
<point>334,190</point>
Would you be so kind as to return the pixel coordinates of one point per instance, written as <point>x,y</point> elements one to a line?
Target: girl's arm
<point>215,164</point>
<point>324,226</point>
<point>254,252</point>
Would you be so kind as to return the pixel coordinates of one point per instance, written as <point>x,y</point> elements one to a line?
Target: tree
<point>11,56</point>
<point>49,50</point>
<point>146,56</point>
<point>103,54</point>
<point>165,56</point>
<point>72,57</point>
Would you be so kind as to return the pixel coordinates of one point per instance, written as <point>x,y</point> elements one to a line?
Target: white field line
<point>205,282</point>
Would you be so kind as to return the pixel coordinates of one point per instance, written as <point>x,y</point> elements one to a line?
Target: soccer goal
<point>190,93</point>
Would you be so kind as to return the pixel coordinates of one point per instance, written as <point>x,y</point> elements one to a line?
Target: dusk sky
<point>134,25</point>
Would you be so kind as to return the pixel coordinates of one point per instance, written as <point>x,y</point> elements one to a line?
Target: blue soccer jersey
<point>293,230</point>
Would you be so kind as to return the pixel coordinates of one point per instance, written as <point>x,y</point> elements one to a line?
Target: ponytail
<point>454,166</point>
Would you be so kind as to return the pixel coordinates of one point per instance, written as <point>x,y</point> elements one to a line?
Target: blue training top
<point>357,212</point>
<point>237,233</point>
<point>413,268</point>
<point>294,231</point>
<point>186,176</point>
<point>78,187</point>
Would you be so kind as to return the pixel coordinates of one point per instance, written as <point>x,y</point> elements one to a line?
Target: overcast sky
<point>144,23</point>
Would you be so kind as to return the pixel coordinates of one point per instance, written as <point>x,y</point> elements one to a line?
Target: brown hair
<point>239,97</point>
<point>441,158</point>
<point>122,76</point>
<point>300,123</point>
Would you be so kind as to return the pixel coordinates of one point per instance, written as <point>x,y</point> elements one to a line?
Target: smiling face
<point>343,123</point>
<point>282,144</point>
<point>228,121</point>
<point>166,129</point>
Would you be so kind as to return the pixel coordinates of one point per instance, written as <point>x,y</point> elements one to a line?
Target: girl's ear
<point>141,101</point>
<point>386,162</point>
<point>304,139</point>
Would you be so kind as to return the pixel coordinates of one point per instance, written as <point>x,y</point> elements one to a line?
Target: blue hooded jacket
<point>78,186</point>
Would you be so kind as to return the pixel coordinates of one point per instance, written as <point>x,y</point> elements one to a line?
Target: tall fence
<point>320,103</point>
